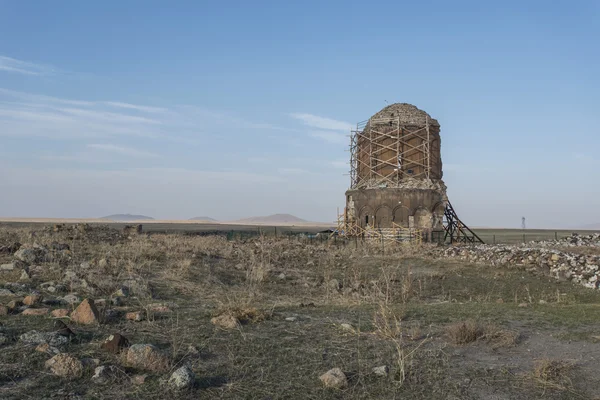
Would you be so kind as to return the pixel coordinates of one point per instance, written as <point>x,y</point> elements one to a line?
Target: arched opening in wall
<point>423,219</point>
<point>438,215</point>
<point>401,214</point>
<point>383,217</point>
<point>365,217</point>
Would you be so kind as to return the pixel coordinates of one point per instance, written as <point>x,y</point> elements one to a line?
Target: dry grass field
<point>265,318</point>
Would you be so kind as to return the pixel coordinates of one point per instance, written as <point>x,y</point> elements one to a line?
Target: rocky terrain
<point>543,256</point>
<point>87,311</point>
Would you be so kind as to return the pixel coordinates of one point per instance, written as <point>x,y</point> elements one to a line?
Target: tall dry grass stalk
<point>388,325</point>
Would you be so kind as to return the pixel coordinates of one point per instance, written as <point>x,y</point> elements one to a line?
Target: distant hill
<point>590,227</point>
<point>128,217</point>
<point>275,219</point>
<point>203,219</point>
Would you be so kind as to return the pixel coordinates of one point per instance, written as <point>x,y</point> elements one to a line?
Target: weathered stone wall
<point>421,208</point>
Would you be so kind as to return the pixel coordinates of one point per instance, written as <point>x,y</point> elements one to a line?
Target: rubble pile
<point>581,269</point>
<point>575,240</point>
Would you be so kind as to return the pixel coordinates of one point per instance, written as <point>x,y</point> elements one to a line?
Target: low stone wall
<point>578,268</point>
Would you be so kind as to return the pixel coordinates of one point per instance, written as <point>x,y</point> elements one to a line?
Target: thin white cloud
<point>33,115</point>
<point>31,98</point>
<point>330,137</point>
<point>126,151</point>
<point>316,121</point>
<point>136,107</point>
<point>108,116</point>
<point>8,64</point>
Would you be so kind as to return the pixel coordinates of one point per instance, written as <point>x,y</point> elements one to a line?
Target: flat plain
<point>265,317</point>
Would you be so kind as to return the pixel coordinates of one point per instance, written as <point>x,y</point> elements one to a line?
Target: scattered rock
<point>334,284</point>
<point>105,373</point>
<point>347,327</point>
<point>281,276</point>
<point>383,370</point>
<point>59,246</point>
<point>46,348</point>
<point>65,365</point>
<point>523,305</point>
<point>71,299</point>
<point>32,254</point>
<point>89,363</point>
<point>10,248</point>
<point>62,329</point>
<point>24,276</point>
<point>86,313</point>
<point>14,305</point>
<point>182,378</point>
<point>6,293</point>
<point>139,379</point>
<point>112,315</point>
<point>51,338</point>
<point>35,311</point>
<point>291,319</point>
<point>51,289</point>
<point>117,301</point>
<point>115,343</point>
<point>32,299</point>
<point>60,313</point>
<point>148,357</point>
<point>539,257</point>
<point>334,378</point>
<point>225,321</point>
<point>123,291</point>
<point>8,267</point>
<point>135,316</point>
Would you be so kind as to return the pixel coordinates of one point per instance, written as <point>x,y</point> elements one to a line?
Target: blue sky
<point>186,108</point>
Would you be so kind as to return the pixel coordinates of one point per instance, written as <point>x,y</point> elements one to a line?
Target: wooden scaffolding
<point>384,151</point>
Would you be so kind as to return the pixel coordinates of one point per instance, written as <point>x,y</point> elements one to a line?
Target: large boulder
<point>334,378</point>
<point>182,378</point>
<point>65,365</point>
<point>86,313</point>
<point>115,343</point>
<point>147,357</point>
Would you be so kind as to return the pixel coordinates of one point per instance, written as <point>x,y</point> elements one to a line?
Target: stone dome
<point>409,115</point>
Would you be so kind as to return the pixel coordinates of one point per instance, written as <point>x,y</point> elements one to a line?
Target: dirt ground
<point>292,311</point>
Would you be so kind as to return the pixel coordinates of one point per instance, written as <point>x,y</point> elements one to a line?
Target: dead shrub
<point>242,316</point>
<point>498,337</point>
<point>464,332</point>
<point>553,372</point>
<point>470,331</point>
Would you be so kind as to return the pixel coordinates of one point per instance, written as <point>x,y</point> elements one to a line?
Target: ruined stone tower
<point>396,171</point>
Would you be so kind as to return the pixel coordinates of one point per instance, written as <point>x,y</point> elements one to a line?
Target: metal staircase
<point>456,231</point>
